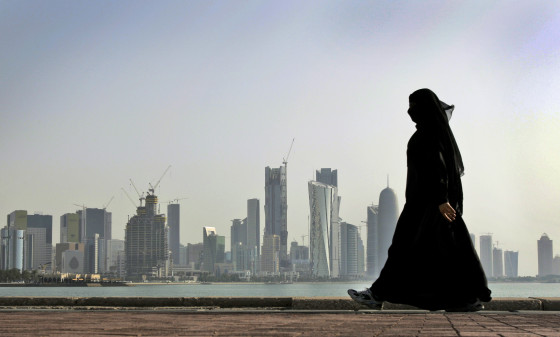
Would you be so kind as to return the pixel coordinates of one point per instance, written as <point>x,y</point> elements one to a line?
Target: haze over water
<point>95,93</point>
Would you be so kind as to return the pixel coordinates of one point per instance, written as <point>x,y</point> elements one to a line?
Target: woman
<point>431,263</point>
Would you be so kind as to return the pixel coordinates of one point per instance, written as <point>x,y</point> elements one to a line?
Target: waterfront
<point>255,289</point>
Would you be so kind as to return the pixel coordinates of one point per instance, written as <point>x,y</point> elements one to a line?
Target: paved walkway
<point>274,323</point>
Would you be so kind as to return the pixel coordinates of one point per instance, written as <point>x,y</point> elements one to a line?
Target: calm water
<point>296,289</point>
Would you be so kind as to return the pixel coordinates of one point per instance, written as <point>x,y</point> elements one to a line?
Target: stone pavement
<point>182,322</point>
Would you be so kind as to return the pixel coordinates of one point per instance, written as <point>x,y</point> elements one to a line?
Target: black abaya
<point>431,263</point>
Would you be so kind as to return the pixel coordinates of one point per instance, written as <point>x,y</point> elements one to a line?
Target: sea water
<point>255,289</point>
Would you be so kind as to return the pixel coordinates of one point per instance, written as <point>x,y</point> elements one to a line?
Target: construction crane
<point>285,160</point>
<point>129,198</point>
<point>140,196</point>
<point>82,206</point>
<point>152,188</point>
<point>107,204</point>
<point>176,200</point>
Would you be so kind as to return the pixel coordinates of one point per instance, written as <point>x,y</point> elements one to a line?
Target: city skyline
<point>93,94</point>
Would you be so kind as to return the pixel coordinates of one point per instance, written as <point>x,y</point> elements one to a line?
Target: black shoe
<point>365,297</point>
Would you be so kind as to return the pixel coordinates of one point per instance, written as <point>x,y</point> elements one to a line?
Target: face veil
<point>432,116</point>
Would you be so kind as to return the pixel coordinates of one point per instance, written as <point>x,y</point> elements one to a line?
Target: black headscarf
<point>430,116</point>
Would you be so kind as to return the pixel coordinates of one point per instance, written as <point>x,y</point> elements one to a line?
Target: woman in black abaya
<point>432,263</point>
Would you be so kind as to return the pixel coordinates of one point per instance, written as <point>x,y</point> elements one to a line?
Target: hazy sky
<point>93,93</point>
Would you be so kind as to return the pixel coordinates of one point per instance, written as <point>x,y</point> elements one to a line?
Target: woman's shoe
<point>365,297</point>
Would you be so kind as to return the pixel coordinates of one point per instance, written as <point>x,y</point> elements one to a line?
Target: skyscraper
<point>115,252</point>
<point>372,261</point>
<point>238,244</point>
<point>544,245</point>
<point>556,265</point>
<point>95,221</point>
<point>37,251</point>
<point>324,230</point>
<point>497,262</point>
<point>41,221</point>
<point>276,209</point>
<point>387,222</point>
<point>486,254</point>
<point>213,248</point>
<point>511,263</point>
<point>39,229</point>
<point>349,238</point>
<point>146,246</point>
<point>195,253</point>
<point>254,234</point>
<point>327,176</point>
<point>17,220</point>
<point>12,248</point>
<point>174,224</point>
<point>62,247</point>
<point>270,257</point>
<point>70,228</point>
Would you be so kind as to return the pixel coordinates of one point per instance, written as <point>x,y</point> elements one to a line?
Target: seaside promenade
<point>266,316</point>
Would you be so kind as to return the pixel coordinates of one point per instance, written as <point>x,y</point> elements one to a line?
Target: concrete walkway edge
<point>293,303</point>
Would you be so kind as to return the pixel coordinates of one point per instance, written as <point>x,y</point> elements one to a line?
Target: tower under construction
<point>146,246</point>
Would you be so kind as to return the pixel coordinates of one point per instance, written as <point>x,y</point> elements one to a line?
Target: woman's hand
<point>447,211</point>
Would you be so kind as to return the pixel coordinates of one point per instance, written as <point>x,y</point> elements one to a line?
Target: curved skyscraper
<point>324,245</point>
<point>387,222</point>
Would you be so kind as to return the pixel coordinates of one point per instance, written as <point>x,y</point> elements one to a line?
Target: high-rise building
<point>37,251</point>
<point>146,246</point>
<point>42,243</point>
<point>270,257</point>
<point>497,262</point>
<point>95,221</point>
<point>174,224</point>
<point>12,248</point>
<point>114,253</point>
<point>511,263</point>
<point>327,176</point>
<point>324,230</point>
<point>349,239</point>
<point>276,209</point>
<point>238,244</point>
<point>486,254</point>
<point>94,255</point>
<point>213,248</point>
<point>387,221</point>
<point>372,261</point>
<point>182,255</point>
<point>254,234</point>
<point>195,254</point>
<point>361,255</point>
<point>17,220</point>
<point>13,241</point>
<point>66,246</point>
<point>299,256</point>
<point>556,265</point>
<point>544,245</point>
<point>473,239</point>
<point>70,227</point>
<point>41,221</point>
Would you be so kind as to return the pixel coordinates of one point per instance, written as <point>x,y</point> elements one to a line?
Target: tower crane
<point>129,198</point>
<point>107,204</point>
<point>140,196</point>
<point>285,160</point>
<point>176,200</point>
<point>152,188</point>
